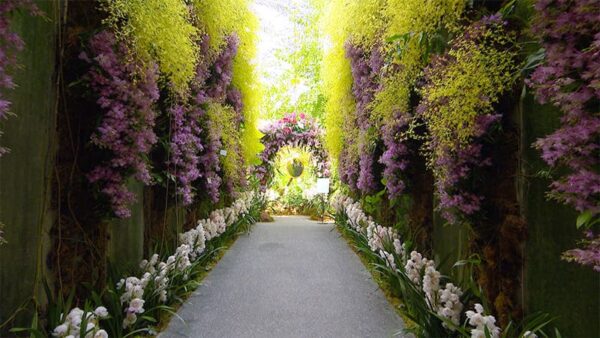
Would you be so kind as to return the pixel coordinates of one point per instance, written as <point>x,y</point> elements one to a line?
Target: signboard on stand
<point>322,191</point>
<point>323,186</point>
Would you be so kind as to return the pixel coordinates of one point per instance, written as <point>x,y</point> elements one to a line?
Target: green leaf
<point>507,9</point>
<point>149,319</point>
<point>584,218</point>
<point>534,60</point>
<point>395,37</point>
<point>557,333</point>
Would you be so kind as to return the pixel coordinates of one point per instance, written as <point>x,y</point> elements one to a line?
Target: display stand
<point>323,192</point>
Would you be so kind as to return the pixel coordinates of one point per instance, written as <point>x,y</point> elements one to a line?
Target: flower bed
<point>435,303</point>
<point>134,304</point>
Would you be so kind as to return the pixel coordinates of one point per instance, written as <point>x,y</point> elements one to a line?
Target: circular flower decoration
<point>295,130</point>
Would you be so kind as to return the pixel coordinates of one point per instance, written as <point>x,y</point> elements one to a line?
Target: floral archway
<point>294,130</point>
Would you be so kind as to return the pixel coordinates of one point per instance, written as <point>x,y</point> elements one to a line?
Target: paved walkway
<point>290,278</point>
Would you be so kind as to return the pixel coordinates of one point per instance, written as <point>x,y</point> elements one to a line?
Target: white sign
<point>322,186</point>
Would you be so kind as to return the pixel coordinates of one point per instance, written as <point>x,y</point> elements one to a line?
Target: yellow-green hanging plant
<point>458,107</point>
<point>337,78</point>
<point>410,26</point>
<point>223,118</point>
<point>414,29</point>
<point>158,30</point>
<point>218,20</point>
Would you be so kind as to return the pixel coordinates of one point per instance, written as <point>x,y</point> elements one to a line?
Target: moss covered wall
<point>551,285</point>
<point>126,236</point>
<point>450,244</point>
<point>565,290</point>
<point>26,171</point>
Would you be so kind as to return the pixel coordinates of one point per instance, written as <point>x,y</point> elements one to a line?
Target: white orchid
<point>431,283</point>
<point>192,245</point>
<point>71,327</point>
<point>449,303</point>
<point>101,312</point>
<point>482,323</point>
<point>101,334</point>
<point>136,306</point>
<point>420,270</point>
<point>61,330</point>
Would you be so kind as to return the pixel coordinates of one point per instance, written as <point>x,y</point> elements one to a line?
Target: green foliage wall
<point>567,290</point>
<point>528,271</point>
<point>126,236</point>
<point>46,204</point>
<point>25,172</point>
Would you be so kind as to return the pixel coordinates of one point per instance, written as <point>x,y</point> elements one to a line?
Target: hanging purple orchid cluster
<point>395,156</point>
<point>195,140</point>
<point>365,69</point>
<point>222,70</point>
<point>10,43</point>
<point>454,163</point>
<point>457,165</point>
<point>216,89</point>
<point>127,97</point>
<point>234,99</point>
<point>295,130</point>
<point>186,143</point>
<point>570,80</point>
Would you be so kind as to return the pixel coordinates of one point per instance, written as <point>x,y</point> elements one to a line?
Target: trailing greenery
<point>477,73</point>
<point>417,16</point>
<point>337,79</point>
<point>414,29</point>
<point>365,22</point>
<point>223,119</point>
<point>218,20</point>
<point>245,79</point>
<point>158,30</point>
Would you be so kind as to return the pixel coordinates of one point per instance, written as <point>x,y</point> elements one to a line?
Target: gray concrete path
<point>290,278</point>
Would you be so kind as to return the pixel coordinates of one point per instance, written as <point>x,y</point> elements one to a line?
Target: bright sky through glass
<point>276,34</point>
<point>276,31</point>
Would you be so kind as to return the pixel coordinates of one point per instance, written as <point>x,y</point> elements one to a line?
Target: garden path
<point>290,278</point>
